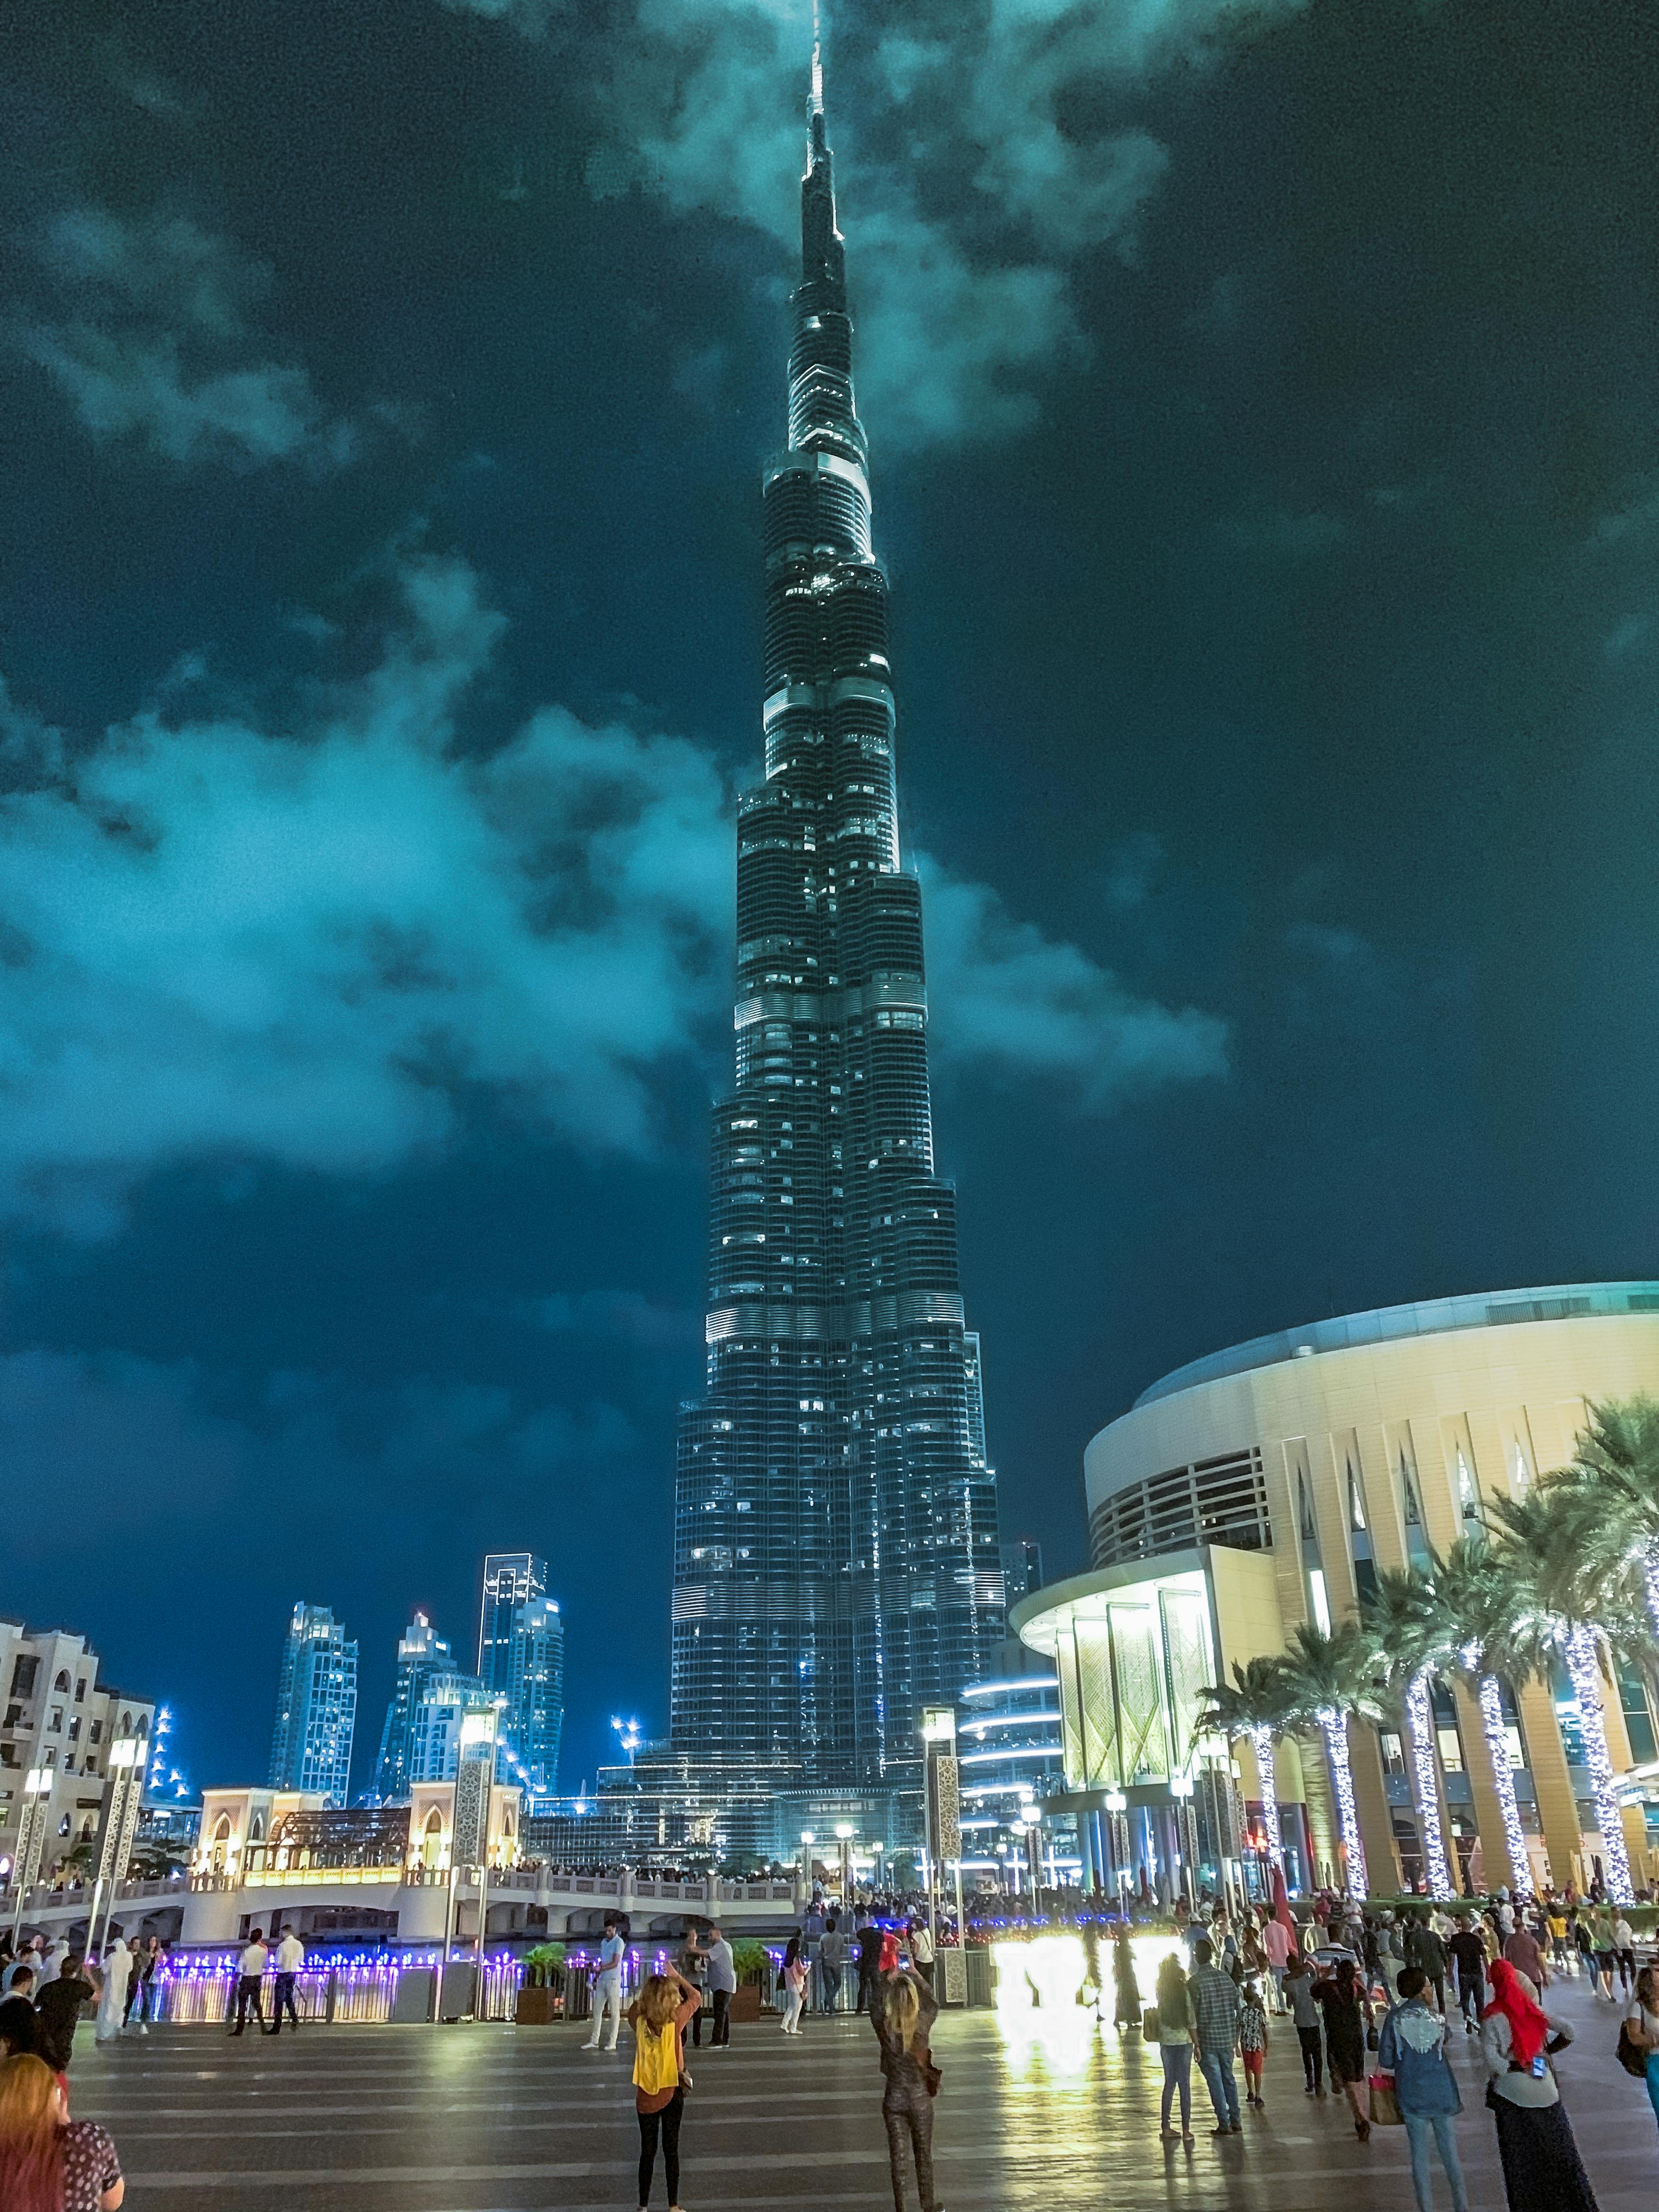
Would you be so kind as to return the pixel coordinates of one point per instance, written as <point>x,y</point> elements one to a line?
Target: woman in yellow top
<point>659,2017</point>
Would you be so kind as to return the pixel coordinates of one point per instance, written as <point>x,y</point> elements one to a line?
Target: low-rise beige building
<point>58,1724</point>
<point>1267,1486</point>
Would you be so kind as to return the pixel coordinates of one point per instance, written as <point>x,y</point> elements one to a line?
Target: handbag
<point>1632,2057</point>
<point>1385,2110</point>
<point>1149,2024</point>
<point>930,2073</point>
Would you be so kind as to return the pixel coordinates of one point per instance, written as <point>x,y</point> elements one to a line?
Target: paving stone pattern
<point>1039,2111</point>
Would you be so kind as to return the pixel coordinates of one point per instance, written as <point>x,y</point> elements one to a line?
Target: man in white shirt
<point>607,1988</point>
<point>249,1973</point>
<point>290,1956</point>
<point>922,1950</point>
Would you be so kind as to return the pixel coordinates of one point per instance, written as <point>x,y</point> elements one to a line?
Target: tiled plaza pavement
<point>1042,2113</point>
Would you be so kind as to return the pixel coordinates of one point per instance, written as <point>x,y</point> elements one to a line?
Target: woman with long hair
<point>1543,2170</point>
<point>1125,1990</point>
<point>47,2163</point>
<point>1174,2048</point>
<point>1347,2012</point>
<point>658,2016</point>
<point>1643,2018</point>
<point>903,2016</point>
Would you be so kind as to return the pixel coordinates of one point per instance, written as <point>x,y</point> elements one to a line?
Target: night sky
<point>1264,407</point>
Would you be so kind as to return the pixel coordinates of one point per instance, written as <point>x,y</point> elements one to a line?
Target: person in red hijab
<point>1543,2170</point>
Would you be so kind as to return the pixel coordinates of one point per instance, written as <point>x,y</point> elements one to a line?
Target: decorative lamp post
<point>1118,1806</point>
<point>31,1837</point>
<point>844,1837</point>
<point>941,1804</point>
<point>1181,1788</point>
<point>122,1801</point>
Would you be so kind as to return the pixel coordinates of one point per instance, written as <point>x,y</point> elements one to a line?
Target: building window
<point>1451,1749</point>
<point>1469,1496</point>
<point>1319,1602</point>
<point>1417,1534</point>
<point>56,1722</point>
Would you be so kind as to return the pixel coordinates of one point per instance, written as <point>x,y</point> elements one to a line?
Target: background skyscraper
<point>316,1706</point>
<point>521,1659</point>
<point>422,1654</point>
<point>835,1561</point>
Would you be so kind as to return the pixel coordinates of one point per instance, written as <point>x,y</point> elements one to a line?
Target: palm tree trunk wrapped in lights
<point>1489,1694</point>
<point>1335,1726</point>
<point>1255,1705</point>
<point>1426,1783</point>
<point>1261,1745</point>
<point>1408,1626</point>
<point>1583,1662</point>
<point>1325,1678</point>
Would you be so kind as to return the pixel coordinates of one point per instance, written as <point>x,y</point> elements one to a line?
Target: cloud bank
<point>987,148</point>
<point>310,943</point>
<point>149,328</point>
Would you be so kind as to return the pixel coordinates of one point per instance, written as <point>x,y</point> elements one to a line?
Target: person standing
<point>1607,1951</point>
<point>250,1972</point>
<point>902,2012</point>
<point>1306,2020</point>
<point>1623,1951</point>
<point>607,1985</point>
<point>1643,2018</point>
<point>1276,1949</point>
<point>691,1967</point>
<point>1555,1920</point>
<point>290,1957</point>
<point>921,1948</point>
<point>1216,2006</point>
<point>1125,1990</point>
<point>1253,2040</point>
<point>143,1995</point>
<point>45,2158</point>
<point>832,1957</point>
<point>57,2013</point>
<point>1348,2013</point>
<point>17,2019</point>
<point>113,2003</point>
<point>1522,1950</point>
<point>1469,1959</point>
<point>869,1942</point>
<point>1543,2170</point>
<point>722,1987</point>
<point>1423,1948</point>
<point>657,2017</point>
<point>1174,2048</point>
<point>1413,2048</point>
<point>794,1986</point>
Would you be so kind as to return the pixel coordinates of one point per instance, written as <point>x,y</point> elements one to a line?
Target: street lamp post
<point>1118,1806</point>
<point>1181,1788</point>
<point>121,1809</point>
<point>31,1837</point>
<point>941,1800</point>
<point>844,1837</point>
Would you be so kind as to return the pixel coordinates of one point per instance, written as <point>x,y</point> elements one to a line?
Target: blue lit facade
<point>422,1654</point>
<point>316,1706</point>
<point>532,1682</point>
<point>835,1561</point>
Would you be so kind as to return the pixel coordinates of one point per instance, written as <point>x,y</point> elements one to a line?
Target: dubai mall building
<point>1267,1486</point>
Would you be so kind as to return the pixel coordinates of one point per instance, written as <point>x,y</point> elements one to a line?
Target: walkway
<point>494,2119</point>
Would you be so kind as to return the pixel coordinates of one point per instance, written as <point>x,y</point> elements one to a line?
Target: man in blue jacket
<point>1413,2047</point>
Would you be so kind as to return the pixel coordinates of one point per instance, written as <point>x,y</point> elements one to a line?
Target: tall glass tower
<point>316,1706</point>
<point>835,1562</point>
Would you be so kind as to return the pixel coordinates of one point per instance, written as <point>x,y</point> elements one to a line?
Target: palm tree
<point>1409,1633</point>
<point>1549,1543</point>
<point>1326,1678</point>
<point>1254,1704</point>
<point>1489,1642</point>
<point>1615,1472</point>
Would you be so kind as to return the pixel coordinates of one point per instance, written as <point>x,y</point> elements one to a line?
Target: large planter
<point>746,2002</point>
<point>536,2007</point>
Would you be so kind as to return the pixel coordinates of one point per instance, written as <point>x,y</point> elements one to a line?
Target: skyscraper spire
<point>835,1563</point>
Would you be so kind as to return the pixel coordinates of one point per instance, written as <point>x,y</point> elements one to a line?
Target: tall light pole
<point>844,1837</point>
<point>121,1809</point>
<point>1118,1806</point>
<point>941,1800</point>
<point>1181,1788</point>
<point>31,1837</point>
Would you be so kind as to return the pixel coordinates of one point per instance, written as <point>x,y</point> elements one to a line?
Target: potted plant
<point>749,1962</point>
<point>541,1993</point>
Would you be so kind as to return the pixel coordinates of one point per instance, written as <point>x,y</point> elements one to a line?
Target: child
<point>1253,2041</point>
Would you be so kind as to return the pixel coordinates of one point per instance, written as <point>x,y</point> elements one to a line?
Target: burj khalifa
<point>835,1561</point>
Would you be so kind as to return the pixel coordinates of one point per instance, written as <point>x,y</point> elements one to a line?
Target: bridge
<point>405,1905</point>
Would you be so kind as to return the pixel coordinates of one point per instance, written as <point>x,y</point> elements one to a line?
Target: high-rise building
<point>521,1659</point>
<point>443,1700</point>
<point>533,1717</point>
<point>835,1563</point>
<point>316,1706</point>
<point>422,1654</point>
<point>510,1579</point>
<point>1021,1567</point>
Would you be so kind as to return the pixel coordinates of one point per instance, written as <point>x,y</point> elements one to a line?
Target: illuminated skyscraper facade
<point>835,1531</point>
<point>316,1706</point>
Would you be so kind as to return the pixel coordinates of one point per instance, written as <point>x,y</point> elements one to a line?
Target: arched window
<point>255,1830</point>
<point>220,1850</point>
<point>63,1681</point>
<point>432,1839</point>
<point>1417,1534</point>
<point>126,1723</point>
